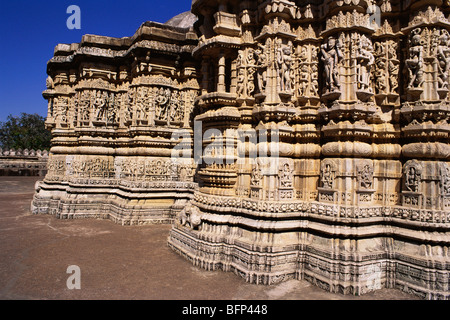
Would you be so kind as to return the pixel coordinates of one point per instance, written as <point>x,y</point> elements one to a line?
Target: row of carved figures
<point>375,65</point>
<point>412,173</point>
<point>129,169</point>
<point>139,104</point>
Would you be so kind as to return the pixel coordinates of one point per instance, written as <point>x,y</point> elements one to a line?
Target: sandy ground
<point>116,262</point>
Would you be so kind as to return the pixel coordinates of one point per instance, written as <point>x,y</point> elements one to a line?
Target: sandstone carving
<point>282,139</point>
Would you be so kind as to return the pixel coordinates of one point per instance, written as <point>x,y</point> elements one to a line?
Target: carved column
<point>307,147</point>
<point>385,121</point>
<point>425,113</point>
<point>221,72</point>
<point>347,105</point>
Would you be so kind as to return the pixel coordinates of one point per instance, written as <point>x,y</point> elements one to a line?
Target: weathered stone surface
<point>315,139</point>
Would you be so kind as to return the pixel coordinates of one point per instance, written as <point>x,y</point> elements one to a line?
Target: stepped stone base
<point>346,266</point>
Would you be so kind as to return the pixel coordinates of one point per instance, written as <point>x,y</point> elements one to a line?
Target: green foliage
<point>26,131</point>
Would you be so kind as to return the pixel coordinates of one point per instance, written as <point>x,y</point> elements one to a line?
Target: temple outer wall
<point>23,162</point>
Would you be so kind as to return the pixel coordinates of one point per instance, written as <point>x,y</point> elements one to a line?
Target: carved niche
<point>412,180</point>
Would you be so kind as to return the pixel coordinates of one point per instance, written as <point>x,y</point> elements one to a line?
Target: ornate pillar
<point>425,113</point>
<point>348,59</point>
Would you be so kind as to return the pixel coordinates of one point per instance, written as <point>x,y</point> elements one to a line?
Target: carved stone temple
<point>282,139</point>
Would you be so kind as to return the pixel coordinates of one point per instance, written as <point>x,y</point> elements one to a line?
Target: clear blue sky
<point>30,30</point>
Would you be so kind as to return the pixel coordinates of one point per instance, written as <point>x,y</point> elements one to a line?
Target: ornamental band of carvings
<point>347,162</point>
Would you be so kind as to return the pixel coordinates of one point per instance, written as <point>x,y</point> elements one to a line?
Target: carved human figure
<point>286,176</point>
<point>283,66</point>
<point>443,59</point>
<point>256,177</point>
<point>414,63</point>
<point>286,78</point>
<point>162,100</point>
<point>102,105</point>
<point>327,177</point>
<point>141,103</point>
<point>261,64</point>
<point>240,87</point>
<point>331,56</point>
<point>279,62</point>
<point>62,109</point>
<point>380,77</point>
<point>174,108</point>
<point>84,106</point>
<point>393,76</point>
<point>304,79</point>
<point>412,179</point>
<point>366,177</point>
<point>250,80</point>
<point>314,80</point>
<point>366,60</point>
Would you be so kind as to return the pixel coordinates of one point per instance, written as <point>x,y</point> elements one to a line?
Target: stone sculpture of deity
<point>331,56</point>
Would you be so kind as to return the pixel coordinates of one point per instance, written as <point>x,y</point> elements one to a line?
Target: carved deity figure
<point>380,77</point>
<point>443,59</point>
<point>284,63</point>
<point>366,59</point>
<point>366,177</point>
<point>141,103</point>
<point>240,86</point>
<point>327,176</point>
<point>84,106</point>
<point>256,177</point>
<point>331,56</point>
<point>101,105</point>
<point>261,64</point>
<point>175,109</point>
<point>240,82</point>
<point>286,176</point>
<point>412,179</point>
<point>415,62</point>
<point>393,76</point>
<point>250,80</point>
<point>162,103</point>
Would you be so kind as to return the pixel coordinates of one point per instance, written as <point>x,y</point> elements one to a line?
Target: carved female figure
<point>327,177</point>
<point>443,59</point>
<point>286,63</point>
<point>286,176</point>
<point>415,62</point>
<point>366,177</point>
<point>366,60</point>
<point>256,176</point>
<point>261,68</point>
<point>331,56</point>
